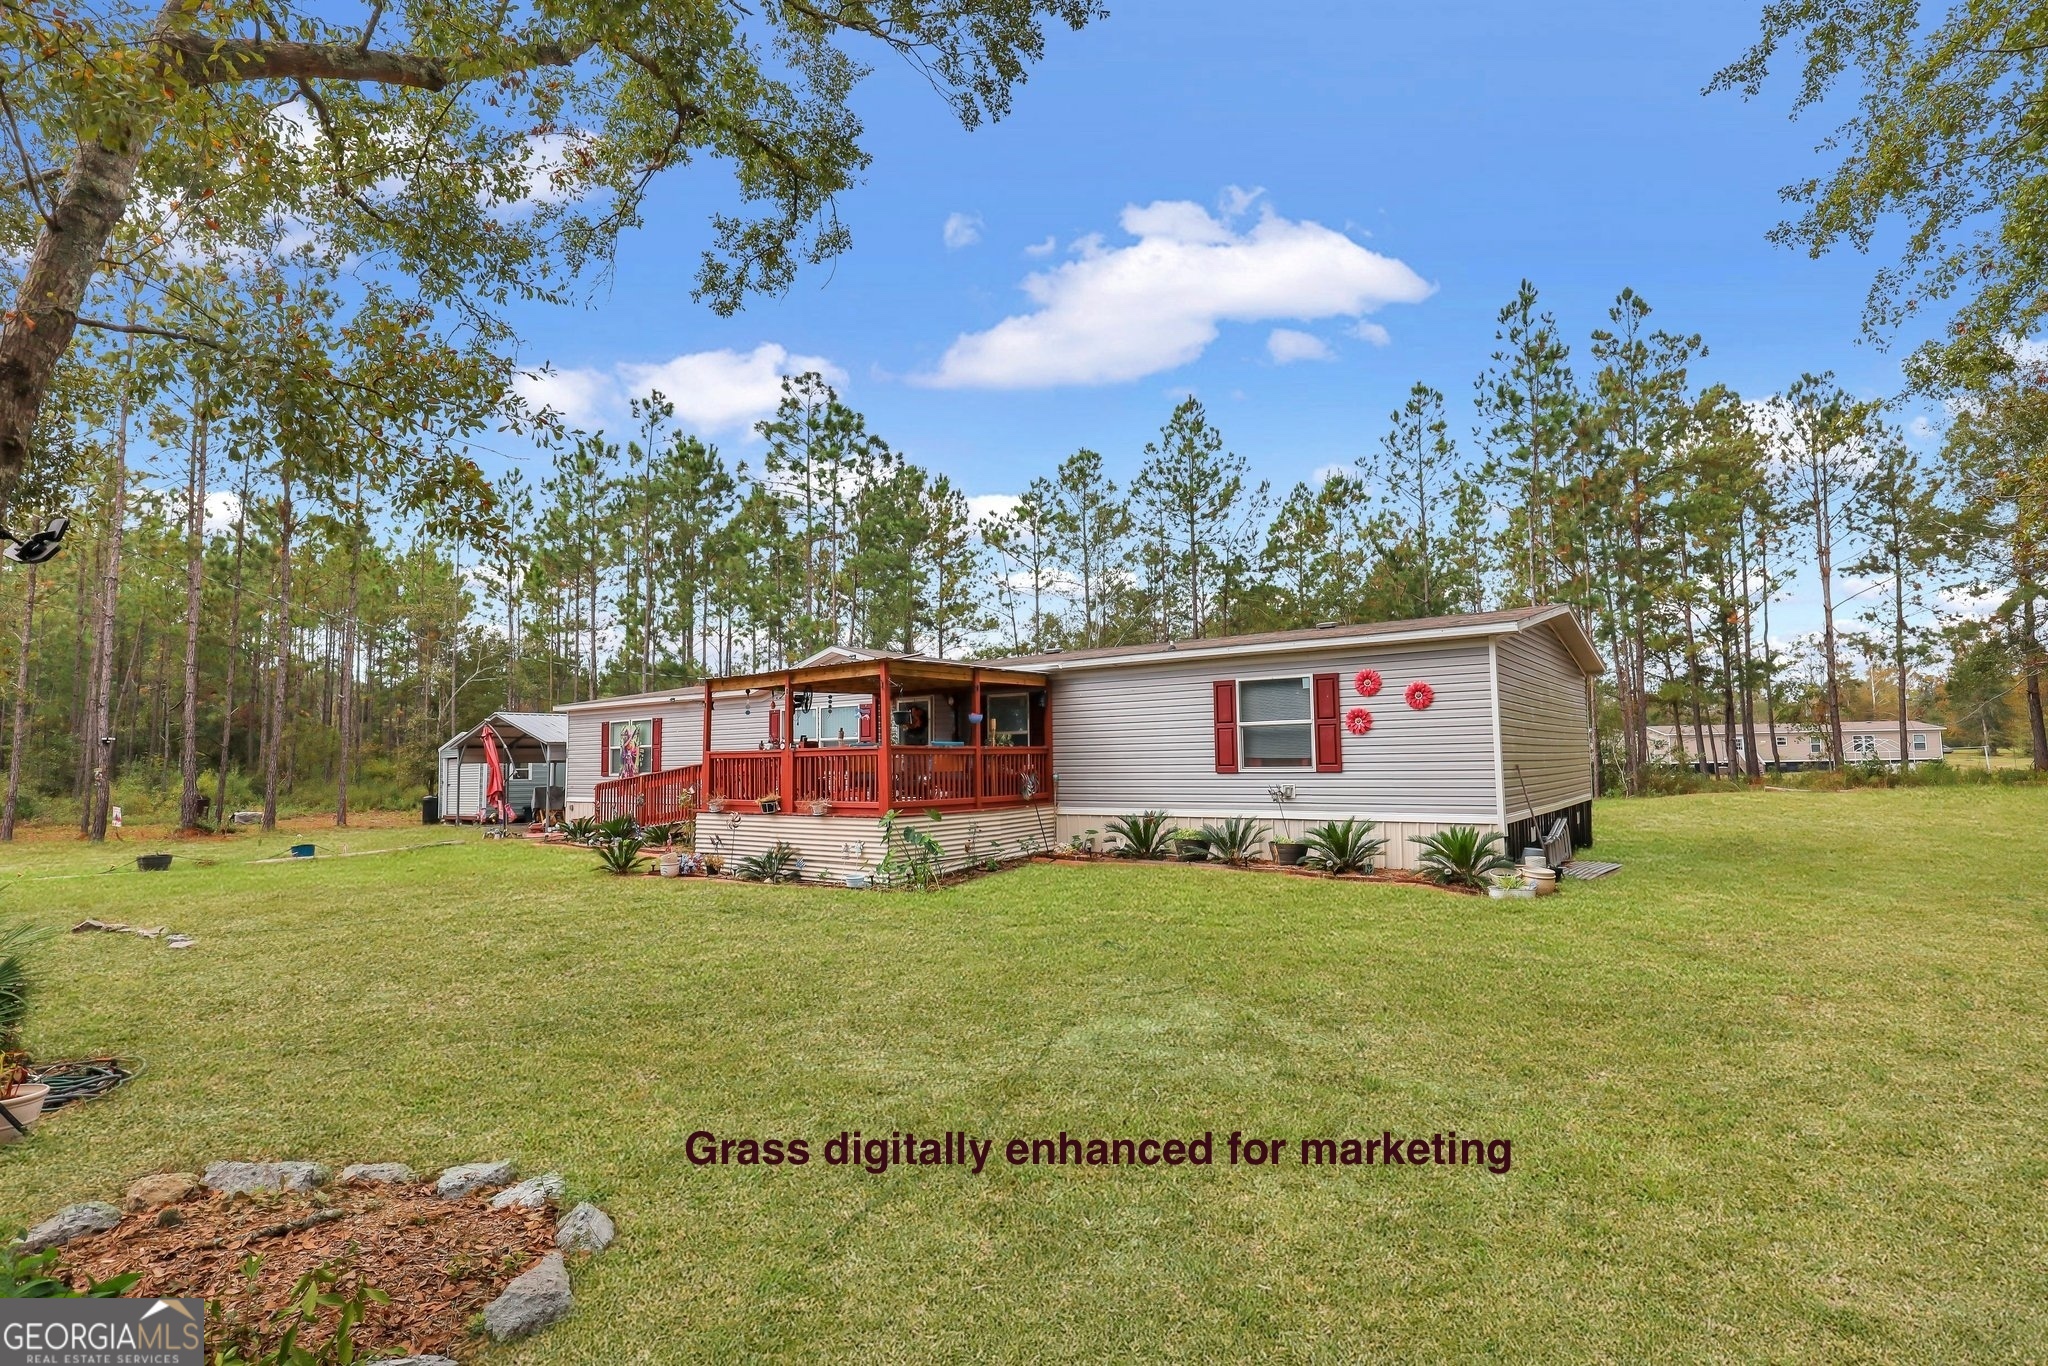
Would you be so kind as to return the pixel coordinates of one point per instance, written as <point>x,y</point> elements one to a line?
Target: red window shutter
<point>604,748</point>
<point>1226,726</point>
<point>654,747</point>
<point>1329,732</point>
<point>774,724</point>
<point>867,723</point>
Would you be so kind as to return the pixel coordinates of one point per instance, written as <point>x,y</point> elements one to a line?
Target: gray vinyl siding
<point>1138,737</point>
<point>1545,750</point>
<point>736,723</point>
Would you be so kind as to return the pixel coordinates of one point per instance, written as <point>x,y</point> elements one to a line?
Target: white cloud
<point>714,392</point>
<point>1285,346</point>
<point>1235,199</point>
<point>1323,474</point>
<point>1120,313</point>
<point>222,507</point>
<point>1368,330</point>
<point>981,505</point>
<point>961,230</point>
<point>1046,248</point>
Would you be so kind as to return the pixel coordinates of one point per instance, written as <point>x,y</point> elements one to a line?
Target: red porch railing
<point>843,777</point>
<point>920,778</point>
<point>651,798</point>
<point>1008,774</point>
<point>746,777</point>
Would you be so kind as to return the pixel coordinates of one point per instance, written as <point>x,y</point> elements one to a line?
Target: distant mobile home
<point>1483,719</point>
<point>1793,747</point>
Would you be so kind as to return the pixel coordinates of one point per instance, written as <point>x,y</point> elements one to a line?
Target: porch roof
<point>904,670</point>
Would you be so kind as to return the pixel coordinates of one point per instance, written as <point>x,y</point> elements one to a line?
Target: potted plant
<point>714,805</point>
<point>1511,887</point>
<point>1288,853</point>
<point>19,1096</point>
<point>820,806</point>
<point>1191,844</point>
<point>771,803</point>
<point>714,864</point>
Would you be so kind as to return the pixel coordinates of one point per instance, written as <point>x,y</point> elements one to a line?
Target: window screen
<point>1275,723</point>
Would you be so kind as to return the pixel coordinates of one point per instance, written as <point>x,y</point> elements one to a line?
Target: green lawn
<point>1779,1089</point>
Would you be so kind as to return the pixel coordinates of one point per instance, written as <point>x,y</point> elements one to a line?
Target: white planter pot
<point>26,1105</point>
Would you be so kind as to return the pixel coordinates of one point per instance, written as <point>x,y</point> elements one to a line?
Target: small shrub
<point>667,833</point>
<point>1144,835</point>
<point>1461,856</point>
<point>1236,840</point>
<point>33,1276</point>
<point>617,828</point>
<point>582,830</point>
<point>1346,846</point>
<point>776,864</point>
<point>621,856</point>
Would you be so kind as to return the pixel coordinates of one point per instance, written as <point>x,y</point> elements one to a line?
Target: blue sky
<point>1411,164</point>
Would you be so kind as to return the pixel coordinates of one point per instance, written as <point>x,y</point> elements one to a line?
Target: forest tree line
<point>256,612</point>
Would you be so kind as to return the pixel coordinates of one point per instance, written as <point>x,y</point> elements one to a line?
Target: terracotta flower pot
<point>26,1105</point>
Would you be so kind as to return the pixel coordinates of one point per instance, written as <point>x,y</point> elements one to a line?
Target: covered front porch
<point>861,737</point>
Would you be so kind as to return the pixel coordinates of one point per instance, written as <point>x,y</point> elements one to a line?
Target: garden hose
<point>85,1079</point>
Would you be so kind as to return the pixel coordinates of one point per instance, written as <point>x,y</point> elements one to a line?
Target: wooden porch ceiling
<point>903,673</point>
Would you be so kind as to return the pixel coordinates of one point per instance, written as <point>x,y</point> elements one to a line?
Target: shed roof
<point>544,727</point>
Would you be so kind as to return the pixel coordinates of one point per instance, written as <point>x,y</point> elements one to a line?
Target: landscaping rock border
<point>532,1300</point>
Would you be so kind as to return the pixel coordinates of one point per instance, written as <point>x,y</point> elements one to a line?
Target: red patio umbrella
<point>494,785</point>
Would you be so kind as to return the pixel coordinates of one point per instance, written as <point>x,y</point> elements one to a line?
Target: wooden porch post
<point>885,777</point>
<point>704,754</point>
<point>974,709</point>
<point>789,742</point>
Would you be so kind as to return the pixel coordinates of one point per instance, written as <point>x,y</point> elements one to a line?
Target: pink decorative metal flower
<point>1367,682</point>
<point>1420,695</point>
<point>1358,720</point>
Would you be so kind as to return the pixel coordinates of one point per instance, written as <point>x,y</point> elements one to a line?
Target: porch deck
<point>921,778</point>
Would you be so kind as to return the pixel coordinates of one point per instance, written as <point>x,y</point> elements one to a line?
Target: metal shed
<point>535,769</point>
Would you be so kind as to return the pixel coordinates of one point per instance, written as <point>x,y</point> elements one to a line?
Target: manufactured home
<point>535,755</point>
<point>1483,720</point>
<point>1791,748</point>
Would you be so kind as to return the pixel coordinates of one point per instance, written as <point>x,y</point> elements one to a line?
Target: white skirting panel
<point>833,846</point>
<point>1400,835</point>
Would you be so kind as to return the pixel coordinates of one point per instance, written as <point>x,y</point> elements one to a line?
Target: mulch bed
<point>440,1261</point>
<point>1399,877</point>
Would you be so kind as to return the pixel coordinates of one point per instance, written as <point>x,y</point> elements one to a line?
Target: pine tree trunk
<point>19,739</point>
<point>99,722</point>
<point>281,670</point>
<point>2037,723</point>
<point>195,582</point>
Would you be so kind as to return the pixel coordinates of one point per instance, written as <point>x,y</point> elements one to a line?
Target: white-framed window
<point>1863,744</point>
<point>616,736</point>
<point>523,772</point>
<point>1009,718</point>
<point>1276,722</point>
<point>1919,744</point>
<point>1813,747</point>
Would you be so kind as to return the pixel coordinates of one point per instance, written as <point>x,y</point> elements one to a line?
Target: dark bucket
<point>153,863</point>
<point>302,851</point>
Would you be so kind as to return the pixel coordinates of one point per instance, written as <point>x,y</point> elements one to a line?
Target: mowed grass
<point>1775,1090</point>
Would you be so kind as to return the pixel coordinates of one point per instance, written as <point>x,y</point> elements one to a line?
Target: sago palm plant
<point>1346,846</point>
<point>1236,840</point>
<point>1460,856</point>
<point>1143,835</point>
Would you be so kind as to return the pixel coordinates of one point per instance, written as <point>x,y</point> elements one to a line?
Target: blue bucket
<point>302,851</point>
